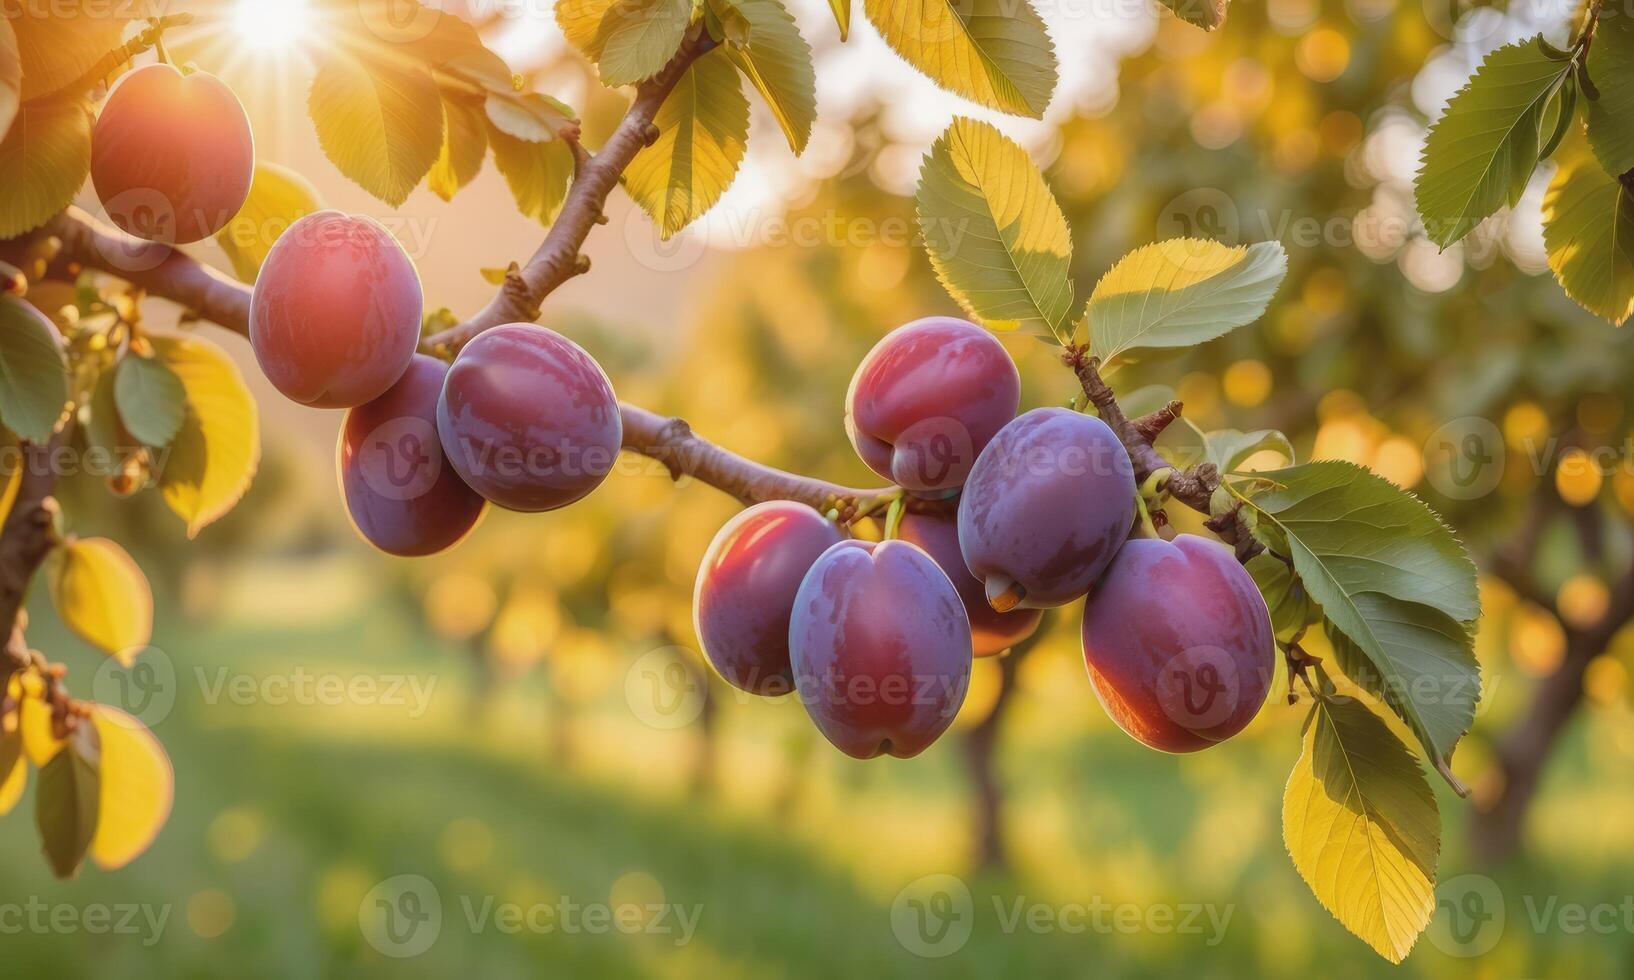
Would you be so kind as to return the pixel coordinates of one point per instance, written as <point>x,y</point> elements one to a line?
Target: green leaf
<point>530,116</point>
<point>1285,596</point>
<point>537,173</point>
<point>842,17</point>
<point>213,458</point>
<point>1480,155</point>
<point>1588,232</point>
<point>778,61</point>
<point>1397,588</point>
<point>1181,292</point>
<point>993,52</point>
<point>44,159</point>
<point>381,124</point>
<point>151,400</point>
<point>57,47</point>
<point>1362,827</point>
<point>68,800</point>
<point>1207,14</point>
<point>278,198</point>
<point>33,374</point>
<point>103,597</point>
<point>629,40</point>
<point>465,143</point>
<point>1611,116</point>
<point>11,80</point>
<point>1229,448</point>
<point>995,234</point>
<point>703,131</point>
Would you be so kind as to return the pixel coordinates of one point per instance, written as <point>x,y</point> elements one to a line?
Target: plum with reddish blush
<point>926,399</point>
<point>401,492</point>
<point>1178,643</point>
<point>745,591</point>
<point>880,648</point>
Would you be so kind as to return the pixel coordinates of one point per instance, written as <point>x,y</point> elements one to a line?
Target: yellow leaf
<point>16,781</point>
<point>103,597</point>
<point>703,130</point>
<point>530,116</point>
<point>1362,827</point>
<point>1181,292</point>
<point>995,52</point>
<point>11,76</point>
<point>278,198</point>
<point>34,719</point>
<point>1588,231</point>
<point>380,123</point>
<point>536,173</point>
<point>465,143</point>
<point>44,159</point>
<point>842,17</point>
<point>996,236</point>
<point>778,61</point>
<point>214,456</point>
<point>629,40</point>
<point>138,788</point>
<point>11,471</point>
<point>56,47</point>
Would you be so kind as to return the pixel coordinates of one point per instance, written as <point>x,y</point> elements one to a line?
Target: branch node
<point>650,134</point>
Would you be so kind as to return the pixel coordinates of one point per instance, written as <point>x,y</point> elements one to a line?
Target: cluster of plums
<point>877,638</point>
<point>523,418</point>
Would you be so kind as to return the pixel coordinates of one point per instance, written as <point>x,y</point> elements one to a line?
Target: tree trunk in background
<point>1496,829</point>
<point>981,744</point>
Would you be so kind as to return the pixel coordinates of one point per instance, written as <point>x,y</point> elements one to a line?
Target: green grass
<point>295,812</point>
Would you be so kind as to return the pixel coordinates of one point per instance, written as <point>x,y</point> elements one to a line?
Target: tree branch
<point>1193,487</point>
<point>26,538</point>
<point>85,243</point>
<point>595,175</point>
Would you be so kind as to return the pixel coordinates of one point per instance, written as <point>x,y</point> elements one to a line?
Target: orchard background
<point>524,721</point>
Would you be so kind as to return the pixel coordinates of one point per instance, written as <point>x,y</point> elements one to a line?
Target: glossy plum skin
<point>1178,643</point>
<point>880,648</point>
<point>171,155</point>
<point>991,632</point>
<point>335,315</point>
<point>402,494</point>
<point>529,419</point>
<point>926,399</point>
<point>1049,502</point>
<point>745,592</point>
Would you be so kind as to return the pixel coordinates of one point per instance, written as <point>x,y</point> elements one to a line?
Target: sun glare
<point>270,25</point>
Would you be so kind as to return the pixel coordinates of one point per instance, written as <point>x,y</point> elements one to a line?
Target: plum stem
<point>1193,487</point>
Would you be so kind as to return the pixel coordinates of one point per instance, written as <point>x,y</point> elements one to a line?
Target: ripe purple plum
<point>335,315</point>
<point>926,400</point>
<point>745,593</point>
<point>1178,643</point>
<point>880,648</point>
<point>403,495</point>
<point>991,631</point>
<point>529,419</point>
<point>1049,502</point>
<point>171,155</point>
